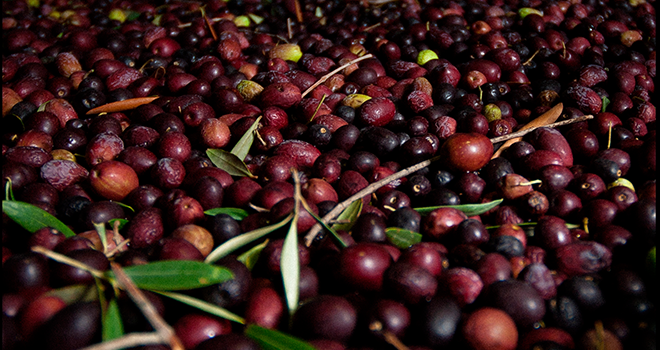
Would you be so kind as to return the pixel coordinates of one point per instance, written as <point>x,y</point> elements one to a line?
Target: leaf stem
<point>329,75</point>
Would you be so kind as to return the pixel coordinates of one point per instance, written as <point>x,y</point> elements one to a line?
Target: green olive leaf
<point>113,327</point>
<point>468,209</point>
<point>122,223</point>
<point>242,240</point>
<point>132,15</point>
<point>242,147</point>
<point>402,238</point>
<point>334,233</point>
<point>228,162</point>
<point>236,213</point>
<point>100,229</point>
<point>32,218</point>
<point>348,216</point>
<point>249,258</point>
<point>75,293</point>
<point>270,339</point>
<point>290,266</point>
<point>175,275</point>
<point>606,102</point>
<point>203,305</point>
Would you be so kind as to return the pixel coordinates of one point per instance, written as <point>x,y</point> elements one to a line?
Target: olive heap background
<point>476,69</point>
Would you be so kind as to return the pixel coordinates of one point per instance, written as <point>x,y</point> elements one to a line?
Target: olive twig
<point>553,125</point>
<point>327,76</point>
<point>128,341</point>
<point>164,330</point>
<point>364,192</point>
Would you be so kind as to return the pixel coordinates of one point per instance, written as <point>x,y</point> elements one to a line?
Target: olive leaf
<point>270,339</point>
<point>100,229</point>
<point>249,258</point>
<point>606,102</point>
<point>132,15</point>
<point>228,162</point>
<point>113,327</point>
<point>203,305</point>
<point>549,117</point>
<point>33,218</point>
<point>122,223</point>
<point>175,275</point>
<point>243,239</point>
<point>317,108</point>
<point>318,219</point>
<point>468,209</point>
<point>235,213</point>
<point>120,106</point>
<point>290,266</point>
<point>242,147</point>
<point>402,238</point>
<point>348,216</point>
<point>75,293</point>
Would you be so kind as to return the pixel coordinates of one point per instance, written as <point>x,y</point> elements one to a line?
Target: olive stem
<point>164,331</point>
<point>289,30</point>
<point>529,183</point>
<point>329,75</point>
<point>377,327</point>
<point>600,335</point>
<point>553,125</point>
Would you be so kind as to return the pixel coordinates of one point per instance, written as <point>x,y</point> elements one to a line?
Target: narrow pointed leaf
<point>100,229</point>
<point>236,213</point>
<point>270,339</point>
<point>402,238</point>
<point>75,293</point>
<point>349,215</point>
<point>522,224</point>
<point>290,266</point>
<point>242,240</point>
<point>32,218</point>
<point>120,106</point>
<point>203,305</point>
<point>242,147</point>
<point>113,327</point>
<point>249,258</point>
<point>228,162</point>
<point>334,233</point>
<point>175,275</point>
<point>468,209</point>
